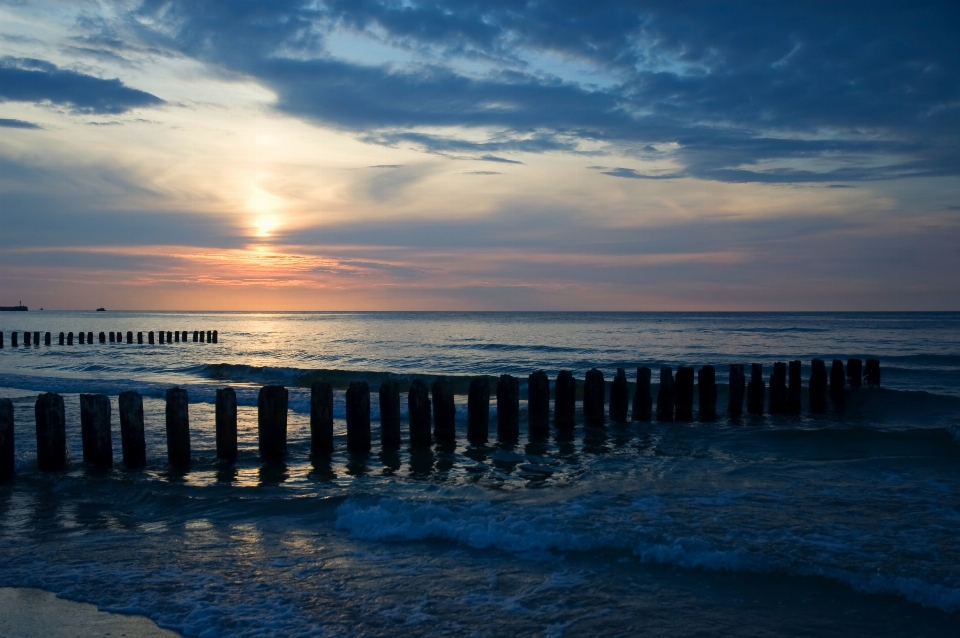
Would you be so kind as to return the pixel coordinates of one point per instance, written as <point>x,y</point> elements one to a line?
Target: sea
<point>837,524</point>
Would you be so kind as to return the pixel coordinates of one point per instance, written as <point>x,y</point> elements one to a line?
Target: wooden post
<point>113,337</point>
<point>444,411</point>
<point>778,388</point>
<point>837,382</point>
<point>418,400</point>
<point>6,440</point>
<point>619,397</point>
<point>756,390</point>
<point>665,395</point>
<point>593,398</point>
<point>46,339</point>
<point>131,430</point>
<point>508,408</point>
<point>215,336</point>
<point>95,430</point>
<point>358,416</point>
<point>642,401</point>
<point>272,422</point>
<point>36,338</point>
<point>818,386</point>
<point>538,403</point>
<point>737,385</point>
<point>389,413</point>
<point>209,336</point>
<point>90,337</point>
<point>707,393</point>
<point>139,338</point>
<point>185,337</point>
<point>1,340</point>
<point>69,338</point>
<point>321,417</point>
<point>478,410</point>
<point>176,336</point>
<point>13,339</point>
<point>684,393</point>
<point>871,373</point>
<point>161,336</point>
<point>150,338</point>
<point>202,336</point>
<point>795,387</point>
<point>169,337</point>
<point>26,338</point>
<point>51,432</point>
<point>83,338</point>
<point>129,336</point>
<point>103,337</point>
<point>564,401</point>
<point>855,372</point>
<point>178,427</point>
<point>226,423</point>
<point>196,336</point>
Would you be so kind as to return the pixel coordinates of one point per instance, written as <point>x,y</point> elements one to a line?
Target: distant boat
<point>101,309</point>
<point>20,308</point>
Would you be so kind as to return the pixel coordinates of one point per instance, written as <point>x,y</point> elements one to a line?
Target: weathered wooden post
<point>103,337</point>
<point>176,336</point>
<point>51,432</point>
<point>169,337</point>
<point>226,424</point>
<point>736,388</point>
<point>95,432</point>
<point>160,336</point>
<point>209,336</point>
<point>358,416</point>
<point>6,440</point>
<point>26,338</point>
<point>69,339</point>
<point>837,382</point>
<point>46,339</point>
<point>619,397</point>
<point>564,401</point>
<point>684,393</point>
<point>178,427</point>
<point>129,336</point>
<point>1,340</point>
<point>36,338</point>
<point>642,401</point>
<point>707,393</point>
<point>593,398</point>
<point>756,390</point>
<point>321,417</point>
<point>418,401</point>
<point>13,339</point>
<point>83,338</point>
<point>508,408</point>
<point>795,388</point>
<point>150,338</point>
<point>131,430</point>
<point>196,336</point>
<point>444,411</point>
<point>139,338</point>
<point>538,403</point>
<point>113,337</point>
<point>778,388</point>
<point>665,395</point>
<point>185,337</point>
<point>90,337</point>
<point>818,386</point>
<point>478,410</point>
<point>855,372</point>
<point>272,422</point>
<point>389,414</point>
<point>871,373</point>
<point>201,337</point>
<point>215,336</point>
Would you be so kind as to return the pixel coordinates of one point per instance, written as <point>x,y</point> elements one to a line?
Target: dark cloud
<point>8,123</point>
<point>630,173</point>
<point>494,158</point>
<point>38,81</point>
<point>729,87</point>
<point>482,173</point>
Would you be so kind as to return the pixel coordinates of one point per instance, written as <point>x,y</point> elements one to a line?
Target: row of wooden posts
<point>209,336</point>
<point>674,403</point>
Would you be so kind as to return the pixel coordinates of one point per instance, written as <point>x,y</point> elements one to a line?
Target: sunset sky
<point>494,155</point>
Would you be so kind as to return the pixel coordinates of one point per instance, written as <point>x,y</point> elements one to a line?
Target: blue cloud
<point>38,81</point>
<point>9,123</point>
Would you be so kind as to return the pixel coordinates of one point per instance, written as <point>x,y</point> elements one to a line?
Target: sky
<point>495,155</point>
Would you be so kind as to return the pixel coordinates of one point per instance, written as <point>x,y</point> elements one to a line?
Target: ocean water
<point>836,524</point>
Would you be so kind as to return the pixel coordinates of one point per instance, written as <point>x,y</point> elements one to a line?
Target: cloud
<point>9,123</point>
<point>630,173</point>
<point>482,173</point>
<point>494,158</point>
<point>38,81</point>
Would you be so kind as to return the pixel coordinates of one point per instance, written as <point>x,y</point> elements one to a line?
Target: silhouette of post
<point>778,388</point>
<point>196,336</point>
<point>150,340</point>
<point>1,340</point>
<point>358,416</point>
<point>139,338</point>
<point>13,339</point>
<point>95,430</point>
<point>272,422</point>
<point>837,382</point>
<point>642,401</point>
<point>210,339</point>
<point>707,393</point>
<point>593,398</point>
<point>795,387</point>
<point>871,373</point>
<point>129,336</point>
<point>6,440</point>
<point>51,432</point>
<point>69,338</point>
<point>113,337</point>
<point>478,410</point>
<point>444,411</point>
<point>216,336</point>
<point>36,338</point>
<point>538,403</point>
<point>665,395</point>
<point>46,339</point>
<point>83,338</point>
<point>736,389</point>
<point>90,338</point>
<point>389,414</point>
<point>176,336</point>
<point>202,336</point>
<point>418,400</point>
<point>855,373</point>
<point>26,338</point>
<point>321,417</point>
<point>818,386</point>
<point>756,390</point>
<point>564,401</point>
<point>508,408</point>
<point>226,424</point>
<point>619,397</point>
<point>178,427</point>
<point>132,439</point>
<point>684,393</point>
